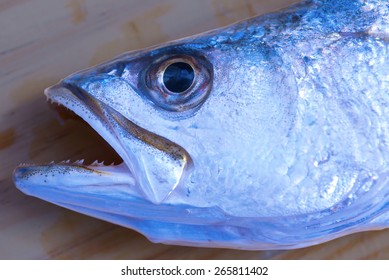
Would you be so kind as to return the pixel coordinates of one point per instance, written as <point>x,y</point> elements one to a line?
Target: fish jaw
<point>62,183</point>
<point>99,190</point>
<point>69,183</point>
<point>156,171</point>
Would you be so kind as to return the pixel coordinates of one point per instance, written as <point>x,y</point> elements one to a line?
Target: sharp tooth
<point>98,163</point>
<point>79,162</point>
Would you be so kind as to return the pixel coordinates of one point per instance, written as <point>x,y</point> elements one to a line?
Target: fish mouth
<point>152,166</point>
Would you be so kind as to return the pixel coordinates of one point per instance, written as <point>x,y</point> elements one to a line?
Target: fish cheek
<point>240,131</point>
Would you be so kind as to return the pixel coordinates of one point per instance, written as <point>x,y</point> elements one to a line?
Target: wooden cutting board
<point>42,41</point>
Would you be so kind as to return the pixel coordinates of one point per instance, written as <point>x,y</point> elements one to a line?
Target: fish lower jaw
<point>71,183</point>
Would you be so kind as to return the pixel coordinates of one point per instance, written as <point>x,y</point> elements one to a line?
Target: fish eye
<point>177,82</point>
<point>178,77</point>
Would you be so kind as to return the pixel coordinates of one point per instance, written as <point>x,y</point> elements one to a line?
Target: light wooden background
<point>42,41</point>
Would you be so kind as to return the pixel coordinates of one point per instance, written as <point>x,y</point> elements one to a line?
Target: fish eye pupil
<point>178,77</point>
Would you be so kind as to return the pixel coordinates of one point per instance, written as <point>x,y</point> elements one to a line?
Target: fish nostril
<point>178,77</point>
<point>116,69</point>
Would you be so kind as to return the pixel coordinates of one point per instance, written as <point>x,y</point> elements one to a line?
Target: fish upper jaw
<point>154,166</point>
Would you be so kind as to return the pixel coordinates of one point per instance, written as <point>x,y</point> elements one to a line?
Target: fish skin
<point>283,143</point>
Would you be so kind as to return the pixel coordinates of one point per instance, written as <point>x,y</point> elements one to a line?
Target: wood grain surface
<point>42,41</point>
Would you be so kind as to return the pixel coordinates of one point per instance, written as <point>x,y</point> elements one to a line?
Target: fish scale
<point>281,140</point>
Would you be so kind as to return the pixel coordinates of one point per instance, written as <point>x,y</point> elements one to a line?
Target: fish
<point>270,133</point>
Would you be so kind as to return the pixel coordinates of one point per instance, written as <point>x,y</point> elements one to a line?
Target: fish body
<point>271,133</point>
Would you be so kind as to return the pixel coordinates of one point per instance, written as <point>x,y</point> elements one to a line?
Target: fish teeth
<point>79,161</point>
<point>97,163</point>
<point>101,163</point>
<point>54,102</point>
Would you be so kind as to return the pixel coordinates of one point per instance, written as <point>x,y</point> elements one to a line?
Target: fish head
<point>179,115</point>
<point>250,136</point>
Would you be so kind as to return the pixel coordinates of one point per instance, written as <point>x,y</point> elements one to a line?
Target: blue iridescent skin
<point>281,141</point>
